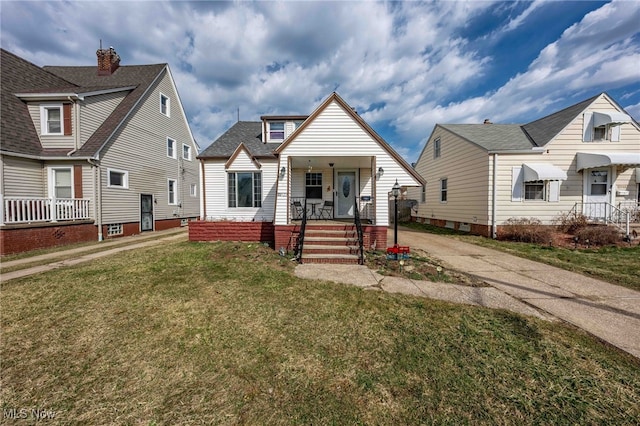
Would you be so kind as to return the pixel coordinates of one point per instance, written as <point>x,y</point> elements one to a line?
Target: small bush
<point>525,230</point>
<point>598,235</point>
<point>571,223</point>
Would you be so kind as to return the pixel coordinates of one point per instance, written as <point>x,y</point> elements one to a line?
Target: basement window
<point>114,229</point>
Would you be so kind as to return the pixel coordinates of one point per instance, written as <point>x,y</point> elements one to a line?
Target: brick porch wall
<point>201,230</point>
<point>22,238</point>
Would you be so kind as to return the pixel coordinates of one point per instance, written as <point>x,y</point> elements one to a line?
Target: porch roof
<point>542,171</point>
<point>590,160</point>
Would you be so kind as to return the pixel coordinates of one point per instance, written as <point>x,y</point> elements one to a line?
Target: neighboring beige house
<point>92,152</point>
<point>584,159</point>
<point>258,177</point>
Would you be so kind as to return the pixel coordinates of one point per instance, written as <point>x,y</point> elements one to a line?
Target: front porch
<point>28,210</point>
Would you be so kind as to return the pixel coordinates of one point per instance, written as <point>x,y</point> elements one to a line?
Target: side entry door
<point>146,212</point>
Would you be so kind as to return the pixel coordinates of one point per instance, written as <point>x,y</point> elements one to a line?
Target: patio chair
<point>326,211</point>
<point>297,209</point>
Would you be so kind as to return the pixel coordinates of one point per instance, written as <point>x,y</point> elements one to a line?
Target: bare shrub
<point>525,230</point>
<point>570,222</point>
<point>598,235</point>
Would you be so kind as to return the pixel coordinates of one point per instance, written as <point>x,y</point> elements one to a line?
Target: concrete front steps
<point>330,244</point>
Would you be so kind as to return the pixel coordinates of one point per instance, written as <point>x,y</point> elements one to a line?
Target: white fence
<point>30,210</point>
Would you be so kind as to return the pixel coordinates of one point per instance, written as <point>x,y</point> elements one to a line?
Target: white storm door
<point>345,193</point>
<point>598,182</point>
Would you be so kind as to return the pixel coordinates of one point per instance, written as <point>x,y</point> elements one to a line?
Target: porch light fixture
<point>380,172</point>
<point>330,164</point>
<point>395,191</point>
<point>282,171</point>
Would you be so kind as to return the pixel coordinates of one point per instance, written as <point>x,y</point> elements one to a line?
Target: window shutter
<point>587,127</point>
<point>66,111</point>
<point>77,181</point>
<point>615,133</point>
<point>554,191</point>
<point>516,183</point>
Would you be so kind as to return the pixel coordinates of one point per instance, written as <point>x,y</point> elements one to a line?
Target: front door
<point>598,182</point>
<point>345,193</point>
<point>146,212</point>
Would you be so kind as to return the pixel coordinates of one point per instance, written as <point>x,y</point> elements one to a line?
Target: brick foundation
<point>22,238</point>
<point>201,230</point>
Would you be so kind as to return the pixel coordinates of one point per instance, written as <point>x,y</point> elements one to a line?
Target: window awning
<point>591,160</point>
<point>542,171</point>
<point>612,118</point>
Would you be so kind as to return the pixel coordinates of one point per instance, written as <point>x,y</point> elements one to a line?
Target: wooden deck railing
<point>16,210</point>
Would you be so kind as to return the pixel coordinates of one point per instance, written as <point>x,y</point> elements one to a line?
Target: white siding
<point>140,149</point>
<point>94,110</point>
<point>469,172</point>
<point>333,134</point>
<point>467,169</point>
<point>216,191</point>
<point>22,177</point>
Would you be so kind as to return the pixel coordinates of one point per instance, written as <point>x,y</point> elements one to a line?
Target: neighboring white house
<point>90,152</point>
<point>584,158</point>
<point>266,172</point>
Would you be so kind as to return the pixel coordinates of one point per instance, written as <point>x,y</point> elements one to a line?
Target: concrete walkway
<point>87,253</point>
<point>607,311</point>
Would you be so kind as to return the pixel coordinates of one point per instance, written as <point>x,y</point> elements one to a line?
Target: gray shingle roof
<point>18,134</point>
<point>492,137</point>
<point>247,132</point>
<point>541,131</point>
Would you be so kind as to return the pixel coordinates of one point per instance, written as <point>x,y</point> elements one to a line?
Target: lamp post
<point>396,192</point>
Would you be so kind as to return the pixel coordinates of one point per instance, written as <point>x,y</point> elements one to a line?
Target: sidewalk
<point>90,252</point>
<point>607,311</point>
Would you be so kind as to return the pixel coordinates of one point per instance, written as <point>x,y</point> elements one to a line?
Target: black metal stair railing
<point>303,226</point>
<point>358,223</point>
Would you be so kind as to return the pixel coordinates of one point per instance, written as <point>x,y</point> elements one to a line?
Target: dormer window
<point>276,131</point>
<point>51,119</point>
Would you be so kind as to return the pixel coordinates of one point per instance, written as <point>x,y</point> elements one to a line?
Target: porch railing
<point>31,210</point>
<point>303,227</point>
<point>605,213</point>
<point>358,223</point>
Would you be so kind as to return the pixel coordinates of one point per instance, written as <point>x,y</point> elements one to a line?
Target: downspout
<point>76,134</point>
<point>97,196</point>
<point>203,197</point>
<point>494,224</point>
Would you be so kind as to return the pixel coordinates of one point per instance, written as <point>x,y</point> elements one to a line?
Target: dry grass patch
<point>224,333</point>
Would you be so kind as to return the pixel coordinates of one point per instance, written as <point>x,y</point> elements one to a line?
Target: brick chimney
<point>108,61</point>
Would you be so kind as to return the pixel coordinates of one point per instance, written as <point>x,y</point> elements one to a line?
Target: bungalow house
<point>314,184</point>
<point>92,152</point>
<point>583,159</point>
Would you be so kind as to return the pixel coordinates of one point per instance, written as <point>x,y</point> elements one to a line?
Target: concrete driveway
<point>607,311</point>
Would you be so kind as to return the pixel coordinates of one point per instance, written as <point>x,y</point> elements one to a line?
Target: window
<point>165,105</point>
<point>599,182</point>
<point>171,189</point>
<point>276,131</point>
<point>443,190</point>
<point>245,189</point>
<point>114,229</point>
<point>313,185</point>
<point>51,119</point>
<point>62,183</point>
<point>436,148</point>
<point>186,152</point>
<point>171,148</point>
<point>117,179</point>
<point>534,190</point>
<point>193,190</point>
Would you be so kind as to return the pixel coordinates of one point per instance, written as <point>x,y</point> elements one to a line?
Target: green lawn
<point>617,265</point>
<point>223,333</point>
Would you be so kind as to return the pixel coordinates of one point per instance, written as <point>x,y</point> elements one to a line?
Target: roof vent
<point>108,61</point>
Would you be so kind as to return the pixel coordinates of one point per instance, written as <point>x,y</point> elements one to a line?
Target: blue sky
<point>405,66</point>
